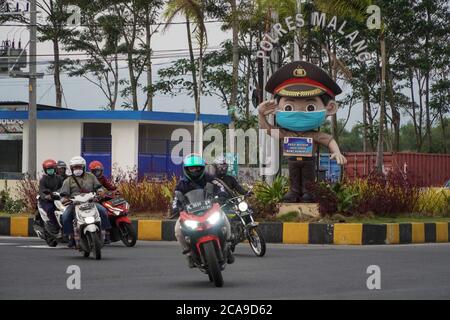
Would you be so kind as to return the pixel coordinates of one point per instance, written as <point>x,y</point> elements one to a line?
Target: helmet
<point>221,166</point>
<point>77,161</point>
<point>61,164</point>
<point>49,164</point>
<point>194,167</point>
<point>96,167</point>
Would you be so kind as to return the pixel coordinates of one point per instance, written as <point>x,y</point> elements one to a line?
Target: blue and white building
<point>125,139</point>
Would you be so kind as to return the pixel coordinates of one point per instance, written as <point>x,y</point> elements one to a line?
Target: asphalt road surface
<point>157,270</point>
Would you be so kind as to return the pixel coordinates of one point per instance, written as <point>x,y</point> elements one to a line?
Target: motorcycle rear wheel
<point>128,235</point>
<point>214,271</point>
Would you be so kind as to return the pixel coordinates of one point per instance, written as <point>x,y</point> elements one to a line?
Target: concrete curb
<point>286,233</point>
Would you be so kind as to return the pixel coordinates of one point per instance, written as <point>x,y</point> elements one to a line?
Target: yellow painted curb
<point>442,232</point>
<point>392,233</point>
<point>150,230</point>
<point>348,234</point>
<point>418,233</point>
<point>296,233</point>
<point>19,227</point>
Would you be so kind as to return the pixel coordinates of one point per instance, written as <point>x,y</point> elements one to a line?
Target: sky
<point>81,94</point>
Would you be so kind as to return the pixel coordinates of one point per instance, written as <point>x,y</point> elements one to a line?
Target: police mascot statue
<point>303,98</point>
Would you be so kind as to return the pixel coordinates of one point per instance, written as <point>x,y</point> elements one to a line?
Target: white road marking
<point>9,244</point>
<point>39,247</point>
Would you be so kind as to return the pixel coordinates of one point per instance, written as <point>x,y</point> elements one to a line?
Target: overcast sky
<point>80,94</point>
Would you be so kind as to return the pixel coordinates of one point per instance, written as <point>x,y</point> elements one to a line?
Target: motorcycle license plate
<point>86,207</point>
<point>199,206</point>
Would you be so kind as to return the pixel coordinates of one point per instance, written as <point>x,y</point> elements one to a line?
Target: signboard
<point>233,164</point>
<point>11,126</point>
<point>298,147</point>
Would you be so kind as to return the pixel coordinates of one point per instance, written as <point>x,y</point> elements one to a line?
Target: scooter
<point>121,227</point>
<point>87,225</point>
<point>203,226</point>
<point>52,234</point>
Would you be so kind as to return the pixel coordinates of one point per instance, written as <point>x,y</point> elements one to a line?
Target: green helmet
<point>194,161</point>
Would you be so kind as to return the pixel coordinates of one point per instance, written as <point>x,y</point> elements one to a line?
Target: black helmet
<point>221,166</point>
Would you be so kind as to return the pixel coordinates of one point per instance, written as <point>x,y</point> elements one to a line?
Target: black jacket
<point>185,185</point>
<point>232,183</point>
<point>49,184</point>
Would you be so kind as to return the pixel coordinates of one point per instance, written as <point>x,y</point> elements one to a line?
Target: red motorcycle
<point>121,227</point>
<point>203,226</point>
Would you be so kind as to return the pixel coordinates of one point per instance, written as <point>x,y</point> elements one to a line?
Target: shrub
<point>326,197</point>
<point>148,196</point>
<point>9,205</point>
<point>433,202</point>
<point>267,197</point>
<point>28,191</point>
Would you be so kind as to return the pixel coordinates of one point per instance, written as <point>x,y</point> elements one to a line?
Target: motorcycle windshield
<point>197,204</point>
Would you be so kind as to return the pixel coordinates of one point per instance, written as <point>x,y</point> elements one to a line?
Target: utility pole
<point>32,108</point>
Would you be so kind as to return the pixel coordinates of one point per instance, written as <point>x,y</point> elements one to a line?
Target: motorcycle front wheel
<point>257,242</point>
<point>128,234</point>
<point>214,271</point>
<point>96,244</point>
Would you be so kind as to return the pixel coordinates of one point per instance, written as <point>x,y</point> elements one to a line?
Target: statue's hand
<point>267,107</point>
<point>341,160</point>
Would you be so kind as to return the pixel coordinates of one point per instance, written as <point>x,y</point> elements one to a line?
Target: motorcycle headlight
<point>214,218</point>
<point>191,224</point>
<point>89,220</point>
<point>243,206</point>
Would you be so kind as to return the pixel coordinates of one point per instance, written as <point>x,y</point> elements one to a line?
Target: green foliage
<point>271,194</point>
<point>347,197</point>
<point>9,205</point>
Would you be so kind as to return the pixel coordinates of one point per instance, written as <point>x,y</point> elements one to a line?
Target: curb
<point>286,233</point>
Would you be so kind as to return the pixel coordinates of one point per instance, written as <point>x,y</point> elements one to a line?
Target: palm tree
<point>193,11</point>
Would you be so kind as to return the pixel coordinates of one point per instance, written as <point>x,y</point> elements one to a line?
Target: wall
<point>59,140</point>
<point>125,144</point>
<point>11,185</point>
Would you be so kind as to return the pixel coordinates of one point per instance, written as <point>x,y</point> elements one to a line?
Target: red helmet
<point>95,165</point>
<point>49,164</point>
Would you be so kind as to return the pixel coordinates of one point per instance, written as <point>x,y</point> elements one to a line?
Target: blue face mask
<point>301,121</point>
<point>51,172</point>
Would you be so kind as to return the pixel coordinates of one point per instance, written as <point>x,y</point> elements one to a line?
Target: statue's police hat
<point>302,79</point>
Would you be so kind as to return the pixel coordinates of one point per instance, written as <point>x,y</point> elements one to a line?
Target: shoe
<point>230,259</point>
<point>107,239</point>
<point>191,263</point>
<point>72,244</point>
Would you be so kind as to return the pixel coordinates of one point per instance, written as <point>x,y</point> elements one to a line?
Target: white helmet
<point>77,161</point>
<point>220,160</point>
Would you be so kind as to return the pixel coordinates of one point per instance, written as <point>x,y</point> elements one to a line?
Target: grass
<point>4,214</point>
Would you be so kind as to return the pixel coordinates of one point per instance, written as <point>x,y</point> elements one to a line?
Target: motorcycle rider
<point>195,178</point>
<point>49,183</point>
<point>81,182</point>
<point>61,170</point>
<point>230,183</point>
<point>97,169</point>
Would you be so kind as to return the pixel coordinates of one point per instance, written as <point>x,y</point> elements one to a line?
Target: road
<point>157,270</point>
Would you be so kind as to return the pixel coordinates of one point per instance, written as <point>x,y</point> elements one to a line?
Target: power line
<point>25,25</point>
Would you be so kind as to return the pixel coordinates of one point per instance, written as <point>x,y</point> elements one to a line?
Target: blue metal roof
<point>116,115</point>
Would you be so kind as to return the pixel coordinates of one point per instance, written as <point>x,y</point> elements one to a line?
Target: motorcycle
<point>203,226</point>
<point>52,234</point>
<point>121,227</point>
<point>87,225</point>
<point>243,226</point>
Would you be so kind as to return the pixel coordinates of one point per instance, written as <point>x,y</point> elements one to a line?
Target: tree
<point>193,11</point>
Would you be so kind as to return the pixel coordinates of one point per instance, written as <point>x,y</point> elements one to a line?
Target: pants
<point>49,208</point>
<point>301,173</point>
<point>69,216</point>
<point>182,241</point>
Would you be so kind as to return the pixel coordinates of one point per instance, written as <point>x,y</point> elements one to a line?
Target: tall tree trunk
<point>116,80</point>
<point>444,132</point>
<point>380,148</point>
<point>365,124</point>
<point>57,72</point>
<point>427,109</point>
<point>148,38</point>
<point>235,76</point>
<point>193,69</point>
<point>413,107</point>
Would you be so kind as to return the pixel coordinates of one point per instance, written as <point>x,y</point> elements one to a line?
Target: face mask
<point>78,173</point>
<point>301,121</point>
<point>50,172</point>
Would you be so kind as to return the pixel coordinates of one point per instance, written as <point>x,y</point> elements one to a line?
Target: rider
<point>230,183</point>
<point>61,169</point>
<point>97,169</point>
<point>49,183</point>
<point>195,178</point>
<point>81,182</point>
